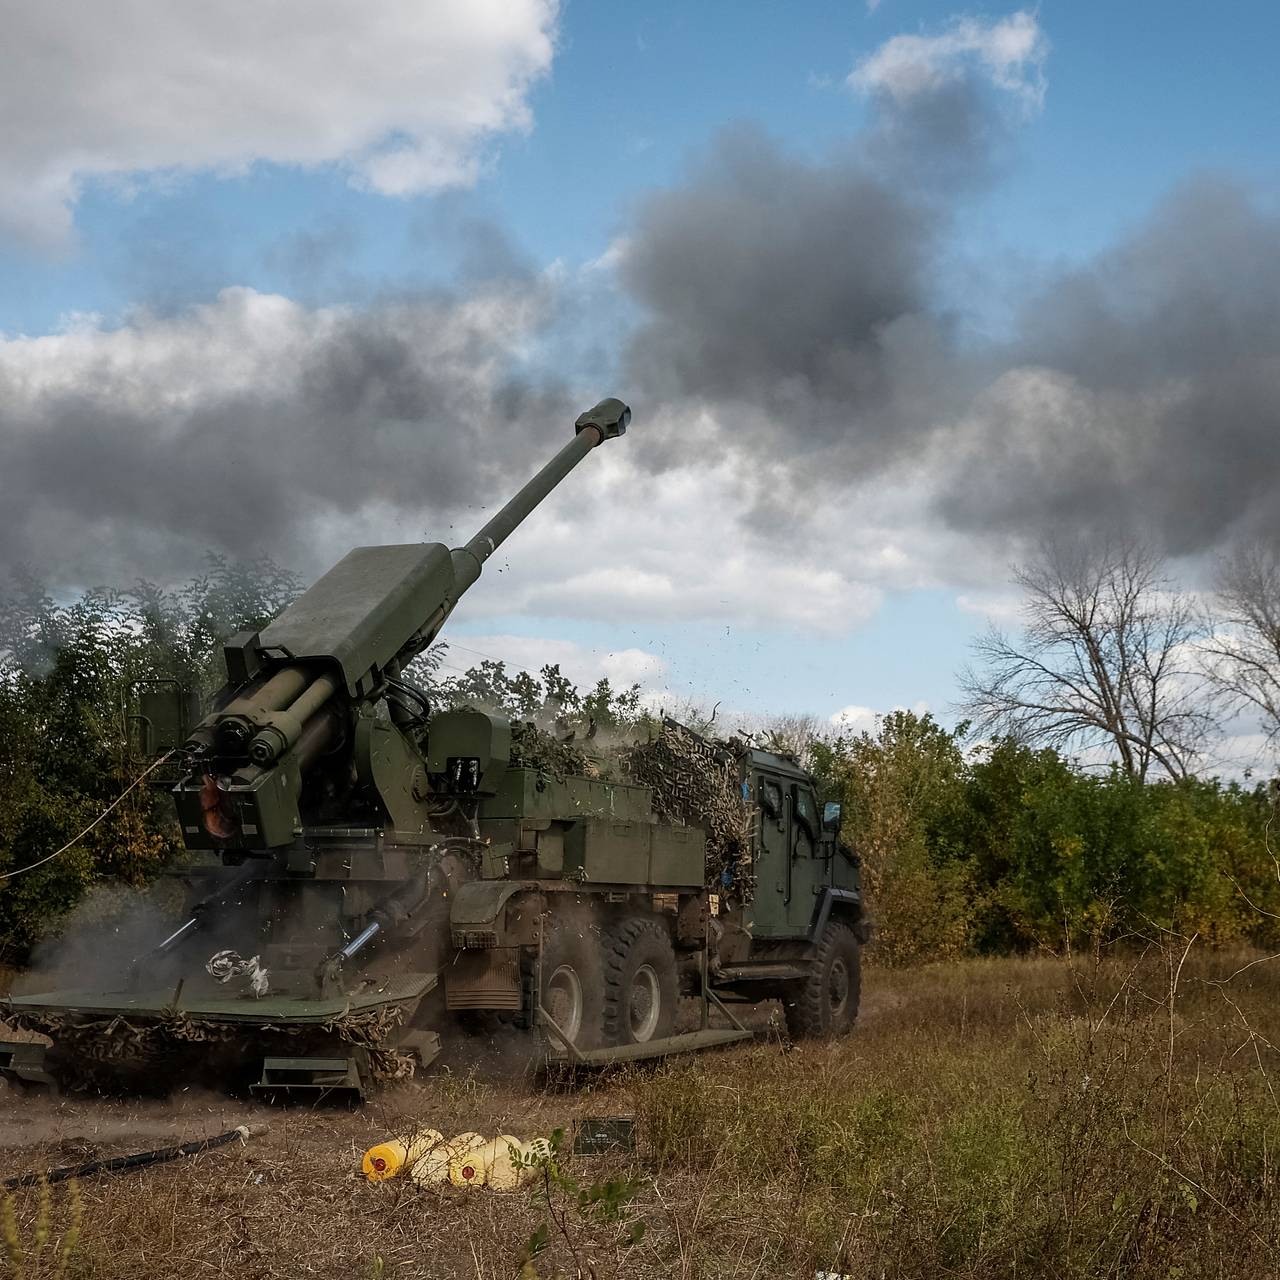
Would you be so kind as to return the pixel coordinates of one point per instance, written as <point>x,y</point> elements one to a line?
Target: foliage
<point>1010,848</point>
<point>550,699</point>
<point>66,670</point>
<point>569,1205</point>
<point>1058,852</point>
<point>899,787</point>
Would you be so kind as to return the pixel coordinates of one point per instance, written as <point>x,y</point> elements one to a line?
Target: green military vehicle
<point>373,874</point>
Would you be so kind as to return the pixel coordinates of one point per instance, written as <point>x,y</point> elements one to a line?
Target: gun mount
<point>303,696</point>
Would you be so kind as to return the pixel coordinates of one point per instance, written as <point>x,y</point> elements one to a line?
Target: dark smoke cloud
<point>117,467</point>
<point>797,300</point>
<point>1163,362</point>
<point>797,297</point>
<point>780,288</point>
<point>945,143</point>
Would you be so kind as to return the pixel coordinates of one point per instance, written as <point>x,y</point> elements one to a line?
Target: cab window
<point>770,797</point>
<point>806,809</point>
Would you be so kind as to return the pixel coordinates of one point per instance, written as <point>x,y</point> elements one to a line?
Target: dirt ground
<point>991,1118</point>
<point>291,1201</point>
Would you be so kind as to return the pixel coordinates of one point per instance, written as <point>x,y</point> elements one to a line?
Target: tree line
<point>1071,805</point>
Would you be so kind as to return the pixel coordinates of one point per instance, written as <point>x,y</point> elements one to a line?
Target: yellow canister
<point>397,1155</point>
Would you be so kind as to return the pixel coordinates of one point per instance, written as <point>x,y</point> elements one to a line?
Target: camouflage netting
<point>695,781</point>
<point>535,748</point>
<point>109,1042</point>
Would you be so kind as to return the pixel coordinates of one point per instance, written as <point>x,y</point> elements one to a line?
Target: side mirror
<point>831,816</point>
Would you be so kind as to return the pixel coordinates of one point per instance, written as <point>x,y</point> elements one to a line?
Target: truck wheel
<point>826,1002</point>
<point>640,986</point>
<point>571,984</point>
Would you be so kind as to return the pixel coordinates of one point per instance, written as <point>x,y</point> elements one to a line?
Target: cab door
<point>788,867</point>
<point>810,867</point>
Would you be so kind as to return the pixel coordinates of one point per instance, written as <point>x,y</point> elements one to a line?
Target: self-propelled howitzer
<point>371,874</point>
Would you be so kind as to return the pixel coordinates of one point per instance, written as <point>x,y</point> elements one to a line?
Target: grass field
<point>1029,1118</point>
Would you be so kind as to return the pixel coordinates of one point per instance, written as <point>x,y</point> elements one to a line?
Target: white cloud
<point>614,255</point>
<point>401,95</point>
<point>1011,52</point>
<point>1243,756</point>
<point>631,546</point>
<point>855,719</point>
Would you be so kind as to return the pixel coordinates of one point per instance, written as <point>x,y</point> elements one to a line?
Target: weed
<point>42,1260</point>
<point>568,1203</point>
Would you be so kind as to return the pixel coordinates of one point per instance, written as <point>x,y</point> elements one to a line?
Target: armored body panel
<point>363,611</point>
<point>587,831</point>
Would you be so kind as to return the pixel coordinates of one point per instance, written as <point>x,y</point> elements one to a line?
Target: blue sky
<point>1140,95</point>
<point>1137,97</point>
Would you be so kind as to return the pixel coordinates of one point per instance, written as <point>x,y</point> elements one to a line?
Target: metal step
<point>762,971</point>
<point>685,1043</point>
<point>24,1061</point>
<point>335,1079</point>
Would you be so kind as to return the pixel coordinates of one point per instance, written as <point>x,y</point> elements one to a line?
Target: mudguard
<point>477,913</point>
<point>846,904</point>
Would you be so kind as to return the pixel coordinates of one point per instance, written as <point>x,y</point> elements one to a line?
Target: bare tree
<point>1105,660</point>
<point>790,735</point>
<point>1243,650</point>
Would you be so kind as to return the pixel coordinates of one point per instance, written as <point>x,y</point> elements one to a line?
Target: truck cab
<point>798,855</point>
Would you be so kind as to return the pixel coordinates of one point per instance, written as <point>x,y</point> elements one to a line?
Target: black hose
<point>161,1156</point>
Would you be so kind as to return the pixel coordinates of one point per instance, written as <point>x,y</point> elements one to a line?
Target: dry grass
<point>1032,1118</point>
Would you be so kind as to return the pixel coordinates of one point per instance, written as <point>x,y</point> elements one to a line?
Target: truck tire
<point>571,984</point>
<point>826,1002</point>
<point>641,990</point>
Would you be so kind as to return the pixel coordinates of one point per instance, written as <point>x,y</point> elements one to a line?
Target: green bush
<point>65,675</point>
<point>900,789</point>
<point>1009,848</point>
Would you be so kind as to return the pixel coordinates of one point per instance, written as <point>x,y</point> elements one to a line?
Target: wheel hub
<point>565,1000</point>
<point>645,1006</point>
<point>838,988</point>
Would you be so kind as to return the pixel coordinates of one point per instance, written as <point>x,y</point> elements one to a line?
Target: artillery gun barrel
<point>606,420</point>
